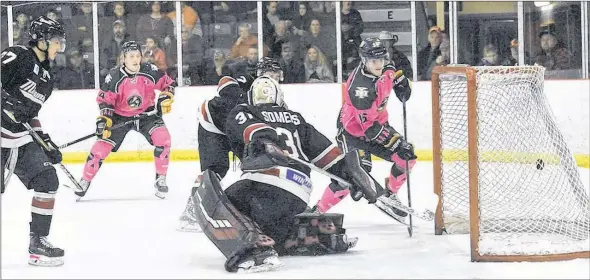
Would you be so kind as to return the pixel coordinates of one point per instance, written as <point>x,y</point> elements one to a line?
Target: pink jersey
<point>130,95</point>
<point>365,100</point>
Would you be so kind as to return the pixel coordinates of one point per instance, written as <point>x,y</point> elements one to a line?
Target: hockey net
<point>502,169</point>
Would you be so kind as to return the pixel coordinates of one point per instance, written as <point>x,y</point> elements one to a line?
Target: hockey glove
<point>53,153</point>
<point>384,135</point>
<point>164,103</point>
<point>402,86</point>
<point>17,111</point>
<point>406,151</point>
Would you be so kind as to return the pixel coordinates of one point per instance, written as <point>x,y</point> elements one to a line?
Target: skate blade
<point>38,260</point>
<point>270,264</point>
<point>160,195</point>
<point>385,209</point>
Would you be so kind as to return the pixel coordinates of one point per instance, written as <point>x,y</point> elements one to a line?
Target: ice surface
<point>121,230</point>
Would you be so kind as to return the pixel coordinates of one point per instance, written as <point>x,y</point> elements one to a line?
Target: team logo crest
<point>134,101</point>
<point>361,92</point>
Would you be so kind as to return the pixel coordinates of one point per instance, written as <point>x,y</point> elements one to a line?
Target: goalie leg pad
<point>361,179</point>
<point>319,234</point>
<point>233,233</point>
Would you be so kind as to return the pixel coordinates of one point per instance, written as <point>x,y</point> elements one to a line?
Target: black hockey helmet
<point>267,64</point>
<point>130,46</point>
<point>44,28</point>
<point>372,48</point>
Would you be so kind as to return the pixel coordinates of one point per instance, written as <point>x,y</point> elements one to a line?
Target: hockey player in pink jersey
<point>363,127</point>
<point>129,91</point>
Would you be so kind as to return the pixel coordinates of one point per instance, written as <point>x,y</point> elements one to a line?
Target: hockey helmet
<point>130,46</point>
<point>267,64</point>
<point>265,90</point>
<point>44,28</point>
<point>372,48</point>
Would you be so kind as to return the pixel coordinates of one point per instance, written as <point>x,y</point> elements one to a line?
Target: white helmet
<point>265,90</point>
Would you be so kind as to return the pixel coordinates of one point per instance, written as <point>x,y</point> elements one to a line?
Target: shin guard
<point>333,194</point>
<point>398,175</point>
<point>100,150</point>
<point>161,139</point>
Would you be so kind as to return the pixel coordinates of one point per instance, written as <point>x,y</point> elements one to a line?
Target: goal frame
<point>473,159</point>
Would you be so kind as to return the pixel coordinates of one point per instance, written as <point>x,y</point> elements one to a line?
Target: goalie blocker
<point>244,240</point>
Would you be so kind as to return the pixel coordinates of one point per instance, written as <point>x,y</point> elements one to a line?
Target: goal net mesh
<point>531,200</point>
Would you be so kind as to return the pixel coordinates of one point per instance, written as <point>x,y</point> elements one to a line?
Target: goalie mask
<point>265,90</point>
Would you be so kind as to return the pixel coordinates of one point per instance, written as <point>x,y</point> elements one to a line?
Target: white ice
<point>121,230</point>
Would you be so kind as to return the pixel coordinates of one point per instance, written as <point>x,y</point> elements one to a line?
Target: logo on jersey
<point>29,90</point>
<point>134,101</point>
<point>361,92</point>
<point>241,79</point>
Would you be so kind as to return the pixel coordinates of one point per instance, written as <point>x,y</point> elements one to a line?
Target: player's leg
<point>235,234</point>
<point>99,152</point>
<point>213,155</point>
<point>154,130</point>
<point>36,172</point>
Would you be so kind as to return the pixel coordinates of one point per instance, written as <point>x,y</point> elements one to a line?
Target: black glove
<point>53,154</point>
<point>384,135</point>
<point>16,110</point>
<point>406,150</point>
<point>402,86</point>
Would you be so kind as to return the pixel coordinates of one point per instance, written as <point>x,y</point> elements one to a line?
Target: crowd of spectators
<point>220,38</point>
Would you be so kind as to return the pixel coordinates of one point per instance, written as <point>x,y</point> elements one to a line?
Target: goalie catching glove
<point>164,103</point>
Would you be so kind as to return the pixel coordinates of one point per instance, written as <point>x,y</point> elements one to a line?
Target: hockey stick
<point>410,230</point>
<point>141,116</point>
<point>50,148</point>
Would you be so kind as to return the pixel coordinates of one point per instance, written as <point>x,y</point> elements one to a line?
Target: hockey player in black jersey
<point>213,144</point>
<point>27,83</point>
<point>261,216</point>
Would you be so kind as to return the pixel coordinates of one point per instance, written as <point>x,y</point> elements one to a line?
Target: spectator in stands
<point>78,74</point>
<point>154,54</point>
<point>271,12</point>
<point>246,65</point>
<point>19,37</point>
<point>302,19</point>
<point>553,54</point>
<point>155,24</point>
<point>22,22</point>
<point>243,43</point>
<point>351,17</point>
<point>119,14</point>
<point>281,35</point>
<point>111,47</point>
<point>491,57</point>
<point>212,72</point>
<point>322,40</point>
<point>431,53</point>
<point>443,57</point>
<point>293,69</point>
<point>190,20</point>
<point>317,68</point>
<point>350,45</point>
<point>399,59</point>
<point>82,37</point>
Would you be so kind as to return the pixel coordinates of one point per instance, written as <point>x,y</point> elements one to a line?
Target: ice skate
<point>42,253</point>
<point>387,203</point>
<point>161,187</point>
<point>85,185</point>
<point>188,221</point>
<point>260,260</point>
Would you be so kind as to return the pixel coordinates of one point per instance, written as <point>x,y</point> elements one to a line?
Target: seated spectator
<point>155,24</point>
<point>324,41</point>
<point>22,22</point>
<point>243,43</point>
<point>553,54</point>
<point>351,17</point>
<point>212,72</point>
<point>190,20</point>
<point>82,37</point>
<point>431,53</point>
<point>120,13</point>
<point>111,47</point>
<point>282,35</point>
<point>78,74</point>
<point>19,36</point>
<point>317,70</point>
<point>444,57</point>
<point>399,59</point>
<point>272,12</point>
<point>246,65</point>
<point>491,57</point>
<point>302,19</point>
<point>350,46</point>
<point>192,57</point>
<point>154,54</point>
<point>293,69</point>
